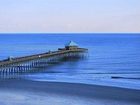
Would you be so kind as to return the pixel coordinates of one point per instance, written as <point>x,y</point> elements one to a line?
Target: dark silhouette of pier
<point>35,62</point>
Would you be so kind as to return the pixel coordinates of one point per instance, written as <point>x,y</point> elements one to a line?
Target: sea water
<point>109,55</point>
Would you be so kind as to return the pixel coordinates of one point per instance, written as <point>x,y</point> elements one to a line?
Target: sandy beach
<point>26,92</point>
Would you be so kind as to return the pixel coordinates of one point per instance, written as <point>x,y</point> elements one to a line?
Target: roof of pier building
<point>71,43</point>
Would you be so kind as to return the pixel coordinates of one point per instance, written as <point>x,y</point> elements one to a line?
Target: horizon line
<point>69,32</point>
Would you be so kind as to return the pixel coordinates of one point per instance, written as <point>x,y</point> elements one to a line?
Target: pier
<point>35,62</point>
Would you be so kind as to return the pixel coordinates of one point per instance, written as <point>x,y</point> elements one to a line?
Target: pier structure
<point>35,62</point>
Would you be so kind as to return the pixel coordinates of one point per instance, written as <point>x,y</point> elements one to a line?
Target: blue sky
<point>69,16</point>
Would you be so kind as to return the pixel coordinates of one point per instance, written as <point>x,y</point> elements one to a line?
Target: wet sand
<point>26,92</point>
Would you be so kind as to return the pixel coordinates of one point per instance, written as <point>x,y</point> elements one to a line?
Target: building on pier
<point>70,46</point>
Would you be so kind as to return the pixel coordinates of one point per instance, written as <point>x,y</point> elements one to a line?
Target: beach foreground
<point>26,92</point>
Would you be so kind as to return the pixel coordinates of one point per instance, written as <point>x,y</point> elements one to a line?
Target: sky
<point>74,16</point>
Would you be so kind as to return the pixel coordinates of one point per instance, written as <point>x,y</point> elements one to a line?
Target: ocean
<point>109,55</point>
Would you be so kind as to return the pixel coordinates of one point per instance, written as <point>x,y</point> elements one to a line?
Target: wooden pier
<point>29,63</point>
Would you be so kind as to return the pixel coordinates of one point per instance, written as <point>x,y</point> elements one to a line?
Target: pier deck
<point>23,64</point>
<point>38,56</point>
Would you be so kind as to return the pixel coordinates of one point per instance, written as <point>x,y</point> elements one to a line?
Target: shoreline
<point>89,93</point>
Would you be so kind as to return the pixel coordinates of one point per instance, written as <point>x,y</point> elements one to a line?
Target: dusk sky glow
<point>54,16</point>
